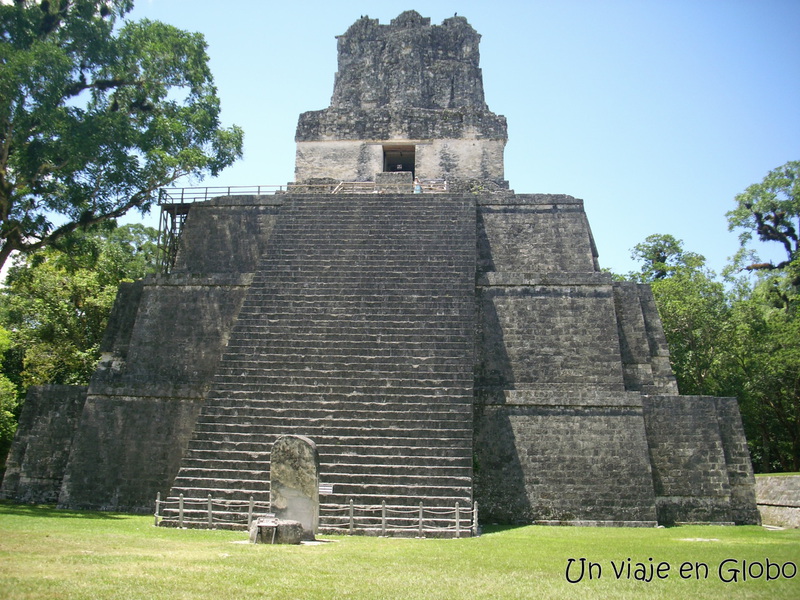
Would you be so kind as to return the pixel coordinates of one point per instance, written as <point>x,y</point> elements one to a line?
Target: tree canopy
<point>771,211</point>
<point>57,300</point>
<point>662,255</point>
<point>55,306</point>
<point>97,113</point>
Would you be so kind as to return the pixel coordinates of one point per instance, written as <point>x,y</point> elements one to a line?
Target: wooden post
<point>210,514</point>
<point>420,520</point>
<point>351,516</point>
<point>475,519</point>
<point>158,506</point>
<point>180,511</point>
<point>458,520</point>
<point>383,518</point>
<point>250,514</point>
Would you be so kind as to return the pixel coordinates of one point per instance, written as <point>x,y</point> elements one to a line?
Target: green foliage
<point>95,117</point>
<point>765,373</point>
<point>693,308</point>
<point>8,400</point>
<point>694,311</point>
<point>663,256</point>
<point>771,211</point>
<point>58,299</point>
<point>738,340</point>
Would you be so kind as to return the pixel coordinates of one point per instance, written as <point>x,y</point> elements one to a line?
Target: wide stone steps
<point>326,405</point>
<point>342,423</point>
<point>357,332</point>
<point>416,398</point>
<point>348,421</point>
<point>368,383</point>
<point>359,493</point>
<point>405,450</point>
<point>303,348</point>
<point>343,483</point>
<point>417,429</point>
<point>333,460</point>
<point>388,413</point>
<point>329,472</point>
<point>382,445</point>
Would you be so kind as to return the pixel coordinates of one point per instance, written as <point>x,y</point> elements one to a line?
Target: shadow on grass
<point>51,512</point>
<point>499,528</point>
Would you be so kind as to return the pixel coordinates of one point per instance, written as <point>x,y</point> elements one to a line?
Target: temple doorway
<point>398,158</point>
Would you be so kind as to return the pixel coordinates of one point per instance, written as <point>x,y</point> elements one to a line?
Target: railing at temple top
<point>188,195</point>
<point>173,203</point>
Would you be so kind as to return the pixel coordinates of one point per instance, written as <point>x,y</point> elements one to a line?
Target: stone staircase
<point>357,332</point>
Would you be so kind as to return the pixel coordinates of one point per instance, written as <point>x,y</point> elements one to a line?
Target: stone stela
<point>294,481</point>
<point>413,351</point>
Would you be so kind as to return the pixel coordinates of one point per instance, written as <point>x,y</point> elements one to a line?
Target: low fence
<point>210,512</point>
<point>419,519</point>
<point>350,519</point>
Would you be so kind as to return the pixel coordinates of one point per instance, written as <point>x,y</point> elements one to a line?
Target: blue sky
<point>655,112</point>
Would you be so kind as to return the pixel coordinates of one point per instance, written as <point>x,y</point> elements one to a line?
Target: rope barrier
<point>212,512</point>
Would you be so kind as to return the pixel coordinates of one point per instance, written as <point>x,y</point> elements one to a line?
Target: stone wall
<point>683,433</point>
<point>550,332</point>
<point>227,234</point>
<point>643,345</point>
<point>534,233</point>
<point>357,160</point>
<point>701,468</point>
<point>38,456</point>
<point>778,499</point>
<point>409,63</point>
<point>126,450</point>
<point>557,437</point>
<point>164,341</point>
<point>407,83</point>
<point>560,456</point>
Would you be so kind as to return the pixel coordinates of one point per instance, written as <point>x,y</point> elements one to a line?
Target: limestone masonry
<point>442,348</point>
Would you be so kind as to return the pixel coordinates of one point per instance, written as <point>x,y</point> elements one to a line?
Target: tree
<point>58,299</point>
<point>693,309</point>
<point>94,118</point>
<point>662,256</point>
<point>767,318</point>
<point>8,403</point>
<point>734,340</point>
<point>766,376</point>
<point>771,210</point>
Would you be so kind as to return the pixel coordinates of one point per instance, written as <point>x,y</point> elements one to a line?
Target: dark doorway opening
<point>398,158</point>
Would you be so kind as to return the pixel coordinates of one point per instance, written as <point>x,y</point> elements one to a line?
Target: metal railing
<point>188,195</point>
<point>174,203</point>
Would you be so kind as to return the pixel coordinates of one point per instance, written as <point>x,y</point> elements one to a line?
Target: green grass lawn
<point>45,553</point>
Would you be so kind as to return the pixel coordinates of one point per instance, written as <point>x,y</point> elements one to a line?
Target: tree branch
<point>99,84</point>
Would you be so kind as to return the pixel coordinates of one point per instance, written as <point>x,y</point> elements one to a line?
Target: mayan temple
<point>443,343</point>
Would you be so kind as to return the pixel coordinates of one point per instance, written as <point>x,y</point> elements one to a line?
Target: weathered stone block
<point>125,451</point>
<point>294,481</point>
<point>778,499</point>
<point>268,530</point>
<point>38,456</point>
